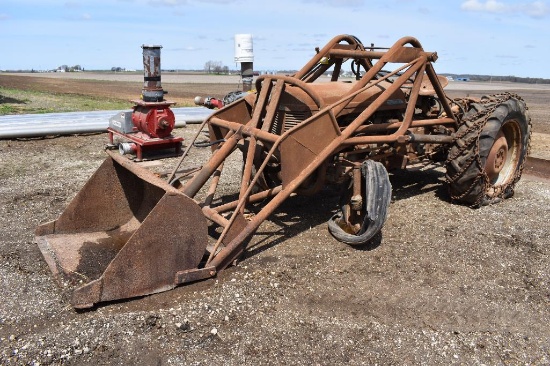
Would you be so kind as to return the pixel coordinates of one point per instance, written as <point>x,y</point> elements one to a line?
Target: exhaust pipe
<point>152,89</point>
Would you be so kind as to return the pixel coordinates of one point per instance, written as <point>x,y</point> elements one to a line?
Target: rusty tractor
<point>130,233</point>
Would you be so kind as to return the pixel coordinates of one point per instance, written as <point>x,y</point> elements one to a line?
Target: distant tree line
<point>74,68</point>
<point>215,67</point>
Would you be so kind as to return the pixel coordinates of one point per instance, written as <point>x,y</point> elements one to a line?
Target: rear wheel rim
<point>497,157</point>
<point>503,159</point>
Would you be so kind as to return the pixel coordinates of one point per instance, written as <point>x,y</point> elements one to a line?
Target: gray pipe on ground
<point>38,125</point>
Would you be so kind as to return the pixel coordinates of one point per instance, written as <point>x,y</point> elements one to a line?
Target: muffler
<point>127,233</point>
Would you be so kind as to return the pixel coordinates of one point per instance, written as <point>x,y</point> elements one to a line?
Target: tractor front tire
<point>358,228</point>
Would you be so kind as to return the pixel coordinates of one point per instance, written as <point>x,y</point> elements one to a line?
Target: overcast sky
<point>494,37</point>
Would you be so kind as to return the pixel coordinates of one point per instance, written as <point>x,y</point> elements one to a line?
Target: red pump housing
<point>155,119</point>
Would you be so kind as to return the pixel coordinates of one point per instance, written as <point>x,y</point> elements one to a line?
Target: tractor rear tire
<point>485,162</point>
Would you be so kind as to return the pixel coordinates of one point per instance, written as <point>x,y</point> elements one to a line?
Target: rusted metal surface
<point>296,136</point>
<point>123,235</point>
<point>152,87</point>
<point>313,140</point>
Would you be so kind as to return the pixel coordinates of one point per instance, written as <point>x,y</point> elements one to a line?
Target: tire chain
<point>475,124</point>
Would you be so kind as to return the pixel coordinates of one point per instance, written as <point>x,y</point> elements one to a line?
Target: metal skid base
<point>144,143</point>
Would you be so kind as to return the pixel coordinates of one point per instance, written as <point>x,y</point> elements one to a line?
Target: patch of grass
<point>14,101</point>
<point>7,109</point>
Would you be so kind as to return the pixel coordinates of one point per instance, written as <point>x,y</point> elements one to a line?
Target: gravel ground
<point>443,284</point>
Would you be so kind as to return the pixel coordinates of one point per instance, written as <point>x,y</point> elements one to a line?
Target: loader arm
<point>314,140</point>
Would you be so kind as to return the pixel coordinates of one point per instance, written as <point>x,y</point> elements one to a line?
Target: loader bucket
<point>127,233</point>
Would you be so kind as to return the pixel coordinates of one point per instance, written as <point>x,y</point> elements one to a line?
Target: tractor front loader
<point>129,233</point>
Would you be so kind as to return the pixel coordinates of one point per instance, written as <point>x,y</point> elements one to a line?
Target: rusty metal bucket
<point>127,233</point>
